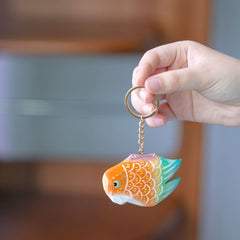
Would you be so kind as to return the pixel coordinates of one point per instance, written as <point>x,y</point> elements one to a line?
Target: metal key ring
<point>135,114</point>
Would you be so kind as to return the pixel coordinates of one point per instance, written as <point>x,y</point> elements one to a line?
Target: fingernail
<point>154,85</point>
<point>159,122</point>
<point>146,109</point>
<point>142,95</point>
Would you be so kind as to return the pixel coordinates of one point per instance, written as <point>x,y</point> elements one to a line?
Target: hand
<point>198,83</point>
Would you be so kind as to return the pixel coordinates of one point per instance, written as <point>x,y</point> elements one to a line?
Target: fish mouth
<point>117,199</point>
<point>105,183</point>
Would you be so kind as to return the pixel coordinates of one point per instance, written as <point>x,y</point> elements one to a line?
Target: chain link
<point>141,135</point>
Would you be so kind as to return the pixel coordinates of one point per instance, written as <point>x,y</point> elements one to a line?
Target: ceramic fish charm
<point>143,180</point>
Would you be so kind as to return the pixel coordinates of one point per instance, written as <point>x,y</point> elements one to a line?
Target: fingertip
<point>160,120</point>
<point>157,120</point>
<point>134,82</point>
<point>153,85</point>
<point>137,103</point>
<point>147,108</point>
<point>146,96</point>
<point>142,73</point>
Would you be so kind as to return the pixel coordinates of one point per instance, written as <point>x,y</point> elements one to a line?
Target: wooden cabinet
<point>97,26</point>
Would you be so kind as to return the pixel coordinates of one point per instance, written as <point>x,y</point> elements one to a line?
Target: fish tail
<point>169,187</point>
<point>169,167</point>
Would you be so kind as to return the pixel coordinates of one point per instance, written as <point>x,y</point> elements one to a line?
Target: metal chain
<point>141,135</point>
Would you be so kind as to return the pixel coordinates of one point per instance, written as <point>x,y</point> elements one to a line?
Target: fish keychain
<point>141,179</point>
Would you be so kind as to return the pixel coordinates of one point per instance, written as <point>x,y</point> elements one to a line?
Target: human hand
<point>199,84</point>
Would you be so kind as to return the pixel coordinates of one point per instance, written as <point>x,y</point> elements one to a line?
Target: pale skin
<point>198,83</point>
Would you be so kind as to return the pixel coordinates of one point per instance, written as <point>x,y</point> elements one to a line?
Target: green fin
<point>169,167</point>
<point>169,187</point>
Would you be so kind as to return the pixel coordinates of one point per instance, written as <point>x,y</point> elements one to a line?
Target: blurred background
<point>65,67</point>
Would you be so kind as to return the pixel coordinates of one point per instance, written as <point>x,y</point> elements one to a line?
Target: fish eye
<point>117,184</point>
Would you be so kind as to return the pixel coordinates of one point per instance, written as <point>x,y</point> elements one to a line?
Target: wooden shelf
<point>85,217</point>
<point>27,26</point>
<point>62,37</point>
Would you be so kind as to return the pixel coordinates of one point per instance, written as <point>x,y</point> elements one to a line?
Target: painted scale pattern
<point>143,180</point>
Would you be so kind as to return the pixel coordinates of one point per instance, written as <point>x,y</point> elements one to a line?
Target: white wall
<point>73,107</point>
<point>220,210</point>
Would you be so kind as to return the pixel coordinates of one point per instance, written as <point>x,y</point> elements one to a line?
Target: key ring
<point>135,114</point>
<point>155,172</point>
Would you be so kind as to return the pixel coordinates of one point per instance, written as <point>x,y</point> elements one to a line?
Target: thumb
<point>174,81</point>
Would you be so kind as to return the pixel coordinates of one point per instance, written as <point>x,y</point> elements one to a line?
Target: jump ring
<point>135,114</point>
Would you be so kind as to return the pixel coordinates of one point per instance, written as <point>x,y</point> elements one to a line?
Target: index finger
<point>167,56</point>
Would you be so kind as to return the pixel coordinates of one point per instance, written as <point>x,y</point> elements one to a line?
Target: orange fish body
<point>142,180</point>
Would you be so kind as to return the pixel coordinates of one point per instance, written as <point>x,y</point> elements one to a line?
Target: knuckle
<point>164,84</point>
<point>149,56</point>
<point>190,43</point>
<point>178,81</point>
<point>171,82</point>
